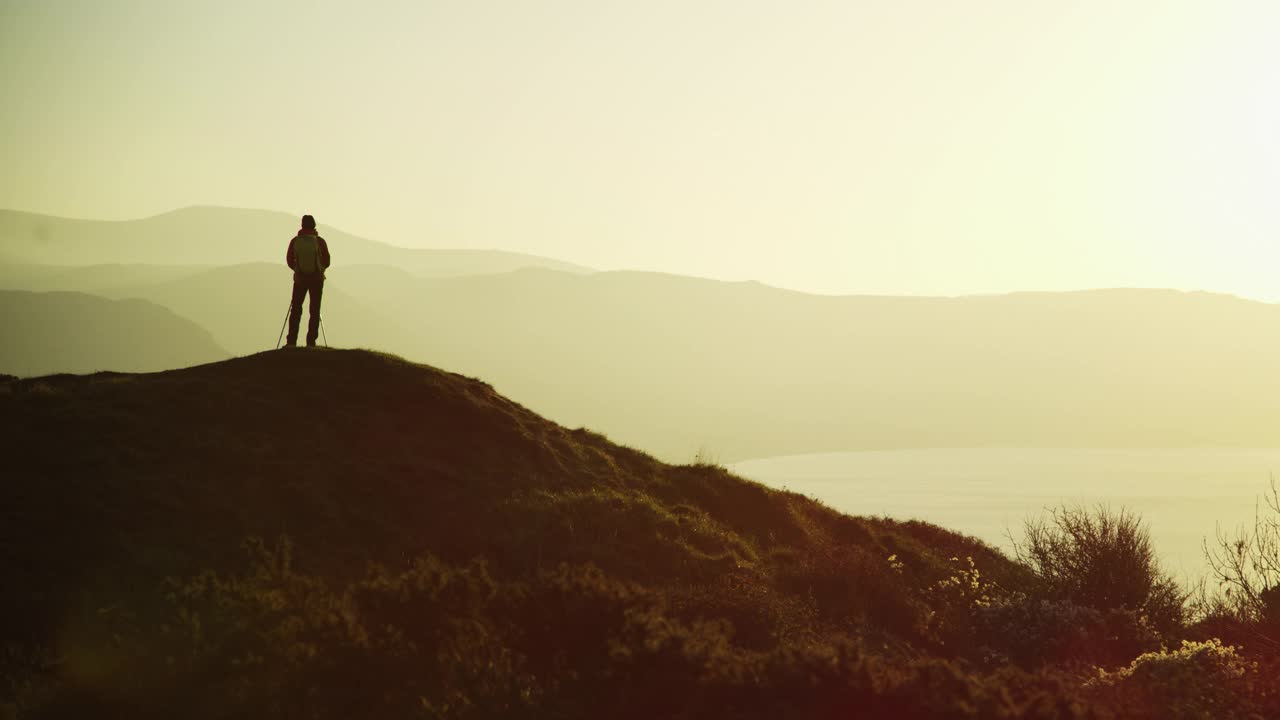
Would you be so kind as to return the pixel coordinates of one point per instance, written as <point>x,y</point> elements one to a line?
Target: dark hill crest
<point>360,456</point>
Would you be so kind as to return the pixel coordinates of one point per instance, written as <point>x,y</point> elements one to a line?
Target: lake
<point>1183,494</point>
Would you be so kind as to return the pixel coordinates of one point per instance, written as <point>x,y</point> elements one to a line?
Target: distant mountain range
<point>679,366</point>
<point>43,333</point>
<point>224,236</point>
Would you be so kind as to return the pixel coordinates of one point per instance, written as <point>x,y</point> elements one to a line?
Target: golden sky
<point>834,146</point>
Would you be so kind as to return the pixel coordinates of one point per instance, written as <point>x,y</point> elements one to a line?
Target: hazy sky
<point>932,147</point>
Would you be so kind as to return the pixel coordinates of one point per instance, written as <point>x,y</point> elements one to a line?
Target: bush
<point>1201,680</point>
<point>1247,567</point>
<point>955,603</point>
<point>760,615</point>
<point>275,641</point>
<point>1036,632</point>
<point>1100,559</point>
<point>865,636</point>
<point>853,586</point>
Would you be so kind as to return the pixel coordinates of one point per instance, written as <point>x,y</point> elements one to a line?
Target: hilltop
<point>360,456</point>
<point>416,543</point>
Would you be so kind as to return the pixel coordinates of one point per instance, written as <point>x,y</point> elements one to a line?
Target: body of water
<point>1184,495</point>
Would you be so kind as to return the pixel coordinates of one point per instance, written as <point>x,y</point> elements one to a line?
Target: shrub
<point>275,641</point>
<point>1036,632</point>
<point>1247,567</point>
<point>435,639</point>
<point>1100,559</point>
<point>851,585</point>
<point>955,603</point>
<point>1201,680</point>
<point>760,615</point>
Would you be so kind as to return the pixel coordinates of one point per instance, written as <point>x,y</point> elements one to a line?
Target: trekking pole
<point>286,322</point>
<point>322,335</point>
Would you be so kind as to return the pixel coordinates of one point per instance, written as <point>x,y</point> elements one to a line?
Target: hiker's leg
<point>313,322</point>
<point>295,310</point>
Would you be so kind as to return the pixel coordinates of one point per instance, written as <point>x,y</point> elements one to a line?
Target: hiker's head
<point>308,222</point>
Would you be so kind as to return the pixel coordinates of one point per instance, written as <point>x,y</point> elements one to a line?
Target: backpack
<point>306,251</point>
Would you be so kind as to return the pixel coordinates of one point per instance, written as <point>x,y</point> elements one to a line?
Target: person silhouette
<point>308,258</point>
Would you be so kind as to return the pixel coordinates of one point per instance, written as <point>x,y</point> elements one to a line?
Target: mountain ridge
<point>60,331</point>
<point>680,365</point>
<point>205,235</point>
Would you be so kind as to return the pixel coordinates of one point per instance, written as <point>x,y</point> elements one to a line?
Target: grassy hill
<point>429,548</point>
<point>363,457</point>
<point>42,333</point>
<point>224,236</point>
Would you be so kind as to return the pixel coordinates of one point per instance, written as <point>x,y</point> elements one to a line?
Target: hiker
<point>308,256</point>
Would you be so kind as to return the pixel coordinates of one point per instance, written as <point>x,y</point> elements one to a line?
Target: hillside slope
<point>363,456</point>
<point>62,332</point>
<point>360,457</point>
<point>335,534</point>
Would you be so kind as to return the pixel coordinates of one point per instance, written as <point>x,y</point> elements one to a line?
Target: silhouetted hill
<point>224,236</point>
<point>359,456</point>
<point>62,332</point>
<point>332,534</point>
<point>117,481</point>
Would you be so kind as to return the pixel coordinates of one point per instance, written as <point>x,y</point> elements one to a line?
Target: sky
<point>907,147</point>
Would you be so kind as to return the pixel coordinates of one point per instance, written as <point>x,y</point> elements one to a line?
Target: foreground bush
<point>1198,681</point>
<point>435,639</point>
<point>1037,632</point>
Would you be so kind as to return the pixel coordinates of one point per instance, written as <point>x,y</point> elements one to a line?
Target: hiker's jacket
<point>304,259</point>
